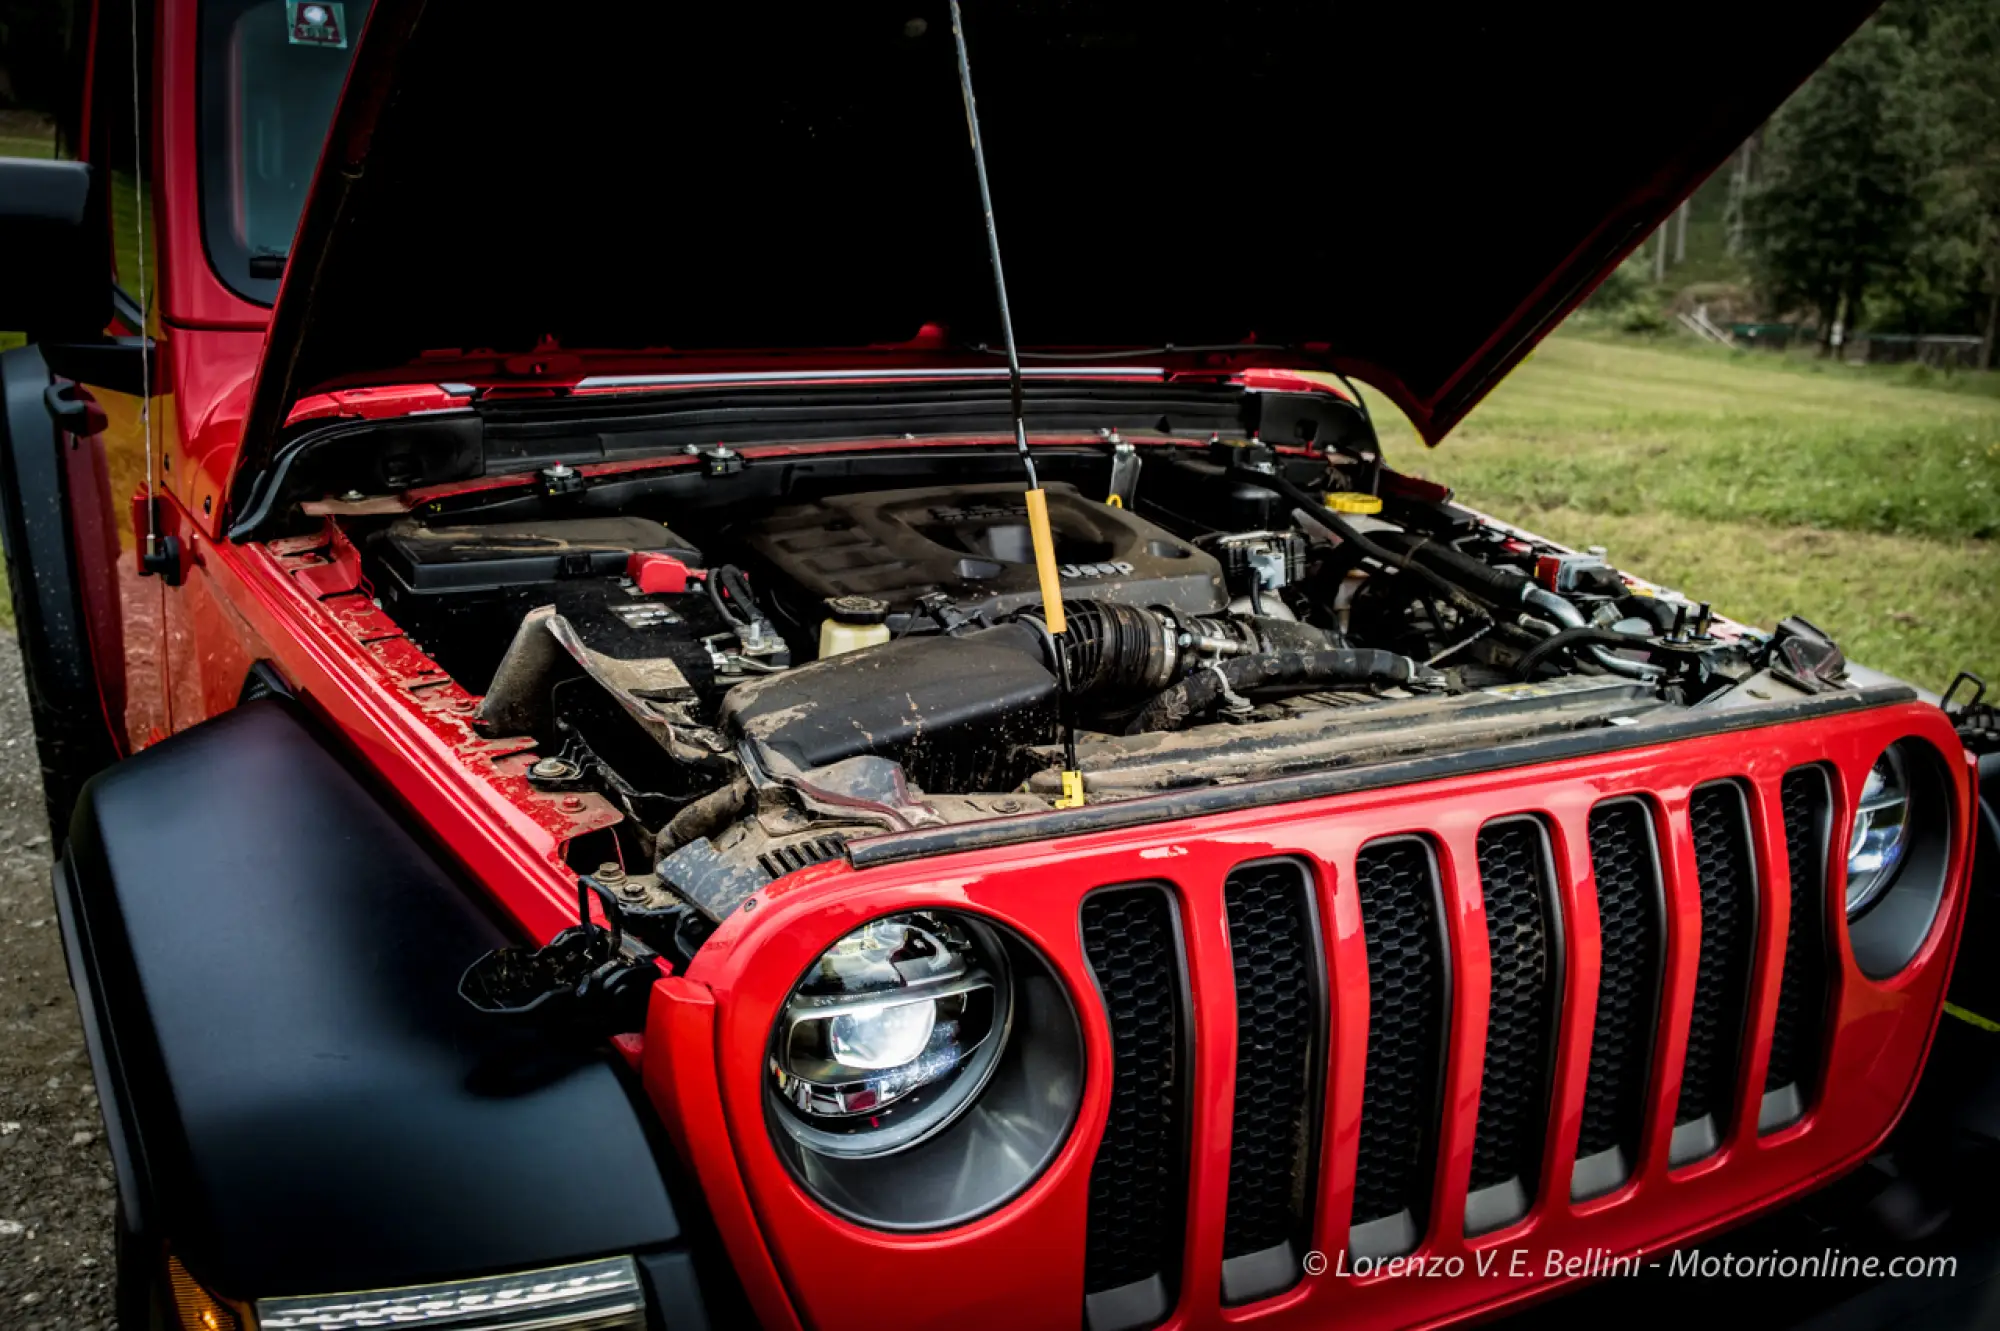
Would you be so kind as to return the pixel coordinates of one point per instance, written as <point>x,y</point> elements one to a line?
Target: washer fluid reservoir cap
<point>857,609</point>
<point>1349,501</point>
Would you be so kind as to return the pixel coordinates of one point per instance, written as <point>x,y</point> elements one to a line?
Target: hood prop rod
<point>1039,530</point>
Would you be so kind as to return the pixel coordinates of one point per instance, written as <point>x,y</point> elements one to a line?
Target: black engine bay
<point>760,660</point>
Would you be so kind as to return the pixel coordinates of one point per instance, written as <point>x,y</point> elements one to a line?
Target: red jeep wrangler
<point>626,796</point>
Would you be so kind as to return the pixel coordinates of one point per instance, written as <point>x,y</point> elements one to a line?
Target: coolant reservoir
<point>851,622</point>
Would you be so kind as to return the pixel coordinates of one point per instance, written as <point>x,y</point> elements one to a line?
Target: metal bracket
<point>717,460</point>
<point>588,980</point>
<point>1125,462</point>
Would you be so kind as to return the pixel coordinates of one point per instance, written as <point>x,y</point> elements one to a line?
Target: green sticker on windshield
<point>317,23</point>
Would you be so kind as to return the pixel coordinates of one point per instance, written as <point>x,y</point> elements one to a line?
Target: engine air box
<point>970,542</point>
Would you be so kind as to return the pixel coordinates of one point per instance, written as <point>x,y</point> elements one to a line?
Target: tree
<point>1842,186</point>
<point>1962,73</point>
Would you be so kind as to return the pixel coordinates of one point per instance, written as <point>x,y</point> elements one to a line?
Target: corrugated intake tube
<point>1199,693</point>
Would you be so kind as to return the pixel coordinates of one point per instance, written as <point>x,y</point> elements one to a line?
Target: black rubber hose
<point>1346,531</point>
<point>1289,635</point>
<point>1502,586</point>
<point>1567,639</point>
<point>1201,690</point>
<point>706,815</point>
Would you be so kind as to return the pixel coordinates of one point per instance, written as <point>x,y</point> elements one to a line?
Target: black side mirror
<point>55,278</point>
<point>55,250</point>
<point>121,364</point>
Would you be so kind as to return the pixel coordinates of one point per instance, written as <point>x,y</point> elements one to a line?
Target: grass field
<point>1864,501</point>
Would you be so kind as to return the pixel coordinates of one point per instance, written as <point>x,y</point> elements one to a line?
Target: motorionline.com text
<point>1602,1263</point>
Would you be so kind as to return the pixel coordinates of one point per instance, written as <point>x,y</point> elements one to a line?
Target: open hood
<point>1411,194</point>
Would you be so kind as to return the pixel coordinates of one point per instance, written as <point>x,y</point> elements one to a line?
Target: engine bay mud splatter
<point>709,674</point>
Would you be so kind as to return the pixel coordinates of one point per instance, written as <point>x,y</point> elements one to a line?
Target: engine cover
<point>971,543</point>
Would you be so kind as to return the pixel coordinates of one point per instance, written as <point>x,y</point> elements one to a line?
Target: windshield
<point>271,71</point>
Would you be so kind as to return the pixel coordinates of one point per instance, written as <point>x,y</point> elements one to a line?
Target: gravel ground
<point>56,1190</point>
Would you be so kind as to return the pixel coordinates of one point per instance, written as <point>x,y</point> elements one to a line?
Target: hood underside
<point>1407,194</point>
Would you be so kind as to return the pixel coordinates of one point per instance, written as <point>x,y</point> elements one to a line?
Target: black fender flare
<point>297,1101</point>
<point>1958,1098</point>
<point>38,535</point>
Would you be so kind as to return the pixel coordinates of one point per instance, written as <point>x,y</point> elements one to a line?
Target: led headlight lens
<point>1881,831</point>
<point>891,1034</point>
<point>589,1296</point>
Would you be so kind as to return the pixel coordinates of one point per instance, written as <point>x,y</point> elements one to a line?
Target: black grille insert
<point>1727,876</point>
<point>1402,925</point>
<point>1799,1027</point>
<point>1631,932</point>
<point>1280,1051</point>
<point>1523,940</point>
<point>1132,1242</point>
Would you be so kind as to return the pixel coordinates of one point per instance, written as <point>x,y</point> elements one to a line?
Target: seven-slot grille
<point>1286,1041</point>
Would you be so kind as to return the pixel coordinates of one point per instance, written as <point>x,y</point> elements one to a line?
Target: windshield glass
<point>271,71</point>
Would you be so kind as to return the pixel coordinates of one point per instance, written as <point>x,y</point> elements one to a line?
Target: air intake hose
<point>1117,649</point>
<point>1203,689</point>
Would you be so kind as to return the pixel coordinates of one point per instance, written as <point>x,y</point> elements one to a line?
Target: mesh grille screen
<point>1406,1008</point>
<point>1628,985</point>
<point>1797,1029</point>
<point>1278,1016</point>
<point>1136,1187</point>
<point>1513,1088</point>
<point>1728,928</point>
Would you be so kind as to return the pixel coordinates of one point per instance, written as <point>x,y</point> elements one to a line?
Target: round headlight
<point>1881,832</point>
<point>891,1034</point>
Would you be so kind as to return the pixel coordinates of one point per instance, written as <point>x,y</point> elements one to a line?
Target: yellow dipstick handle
<point>1045,560</point>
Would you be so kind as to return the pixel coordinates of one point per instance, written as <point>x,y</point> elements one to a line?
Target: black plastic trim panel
<point>503,438</point>
<point>267,960</point>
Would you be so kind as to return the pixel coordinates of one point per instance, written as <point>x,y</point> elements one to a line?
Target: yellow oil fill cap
<point>1350,501</point>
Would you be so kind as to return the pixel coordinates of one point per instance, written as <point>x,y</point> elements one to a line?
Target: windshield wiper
<point>268,265</point>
